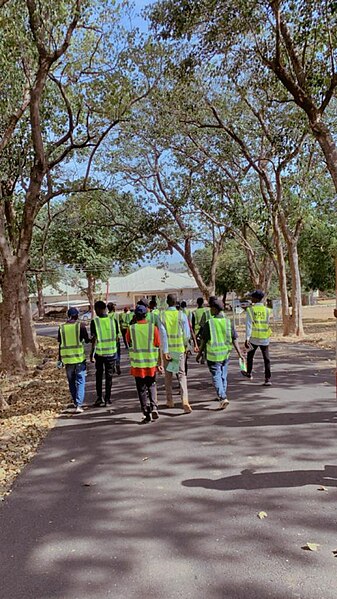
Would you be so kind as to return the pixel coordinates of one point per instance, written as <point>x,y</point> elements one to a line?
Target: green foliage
<point>232,271</point>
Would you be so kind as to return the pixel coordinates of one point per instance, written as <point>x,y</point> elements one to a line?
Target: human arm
<point>206,335</point>
<point>156,343</point>
<point>93,340</point>
<point>84,333</point>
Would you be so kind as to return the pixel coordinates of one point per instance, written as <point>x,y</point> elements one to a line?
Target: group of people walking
<point>161,341</point>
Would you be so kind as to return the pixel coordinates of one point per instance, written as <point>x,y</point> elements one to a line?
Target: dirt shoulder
<point>34,401</point>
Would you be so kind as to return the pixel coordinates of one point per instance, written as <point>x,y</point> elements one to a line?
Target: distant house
<point>127,290</point>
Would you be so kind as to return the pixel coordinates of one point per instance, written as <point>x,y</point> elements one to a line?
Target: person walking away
<point>71,336</point>
<point>153,313</point>
<point>124,322</point>
<point>104,332</point>
<point>258,334</point>
<point>144,342</point>
<point>218,337</point>
<point>174,333</point>
<point>199,318</point>
<point>112,314</point>
<point>192,341</point>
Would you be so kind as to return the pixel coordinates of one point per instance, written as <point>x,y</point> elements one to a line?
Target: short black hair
<point>111,306</point>
<point>152,304</point>
<point>200,301</point>
<point>100,306</point>
<point>183,304</point>
<point>212,299</point>
<point>171,299</point>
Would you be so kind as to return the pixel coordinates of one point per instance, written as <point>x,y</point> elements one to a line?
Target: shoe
<point>108,402</point>
<point>223,404</point>
<point>169,404</point>
<point>98,403</point>
<point>267,383</point>
<point>79,410</point>
<point>118,369</point>
<point>248,376</point>
<point>70,406</point>
<point>155,415</point>
<point>145,420</point>
<point>187,408</point>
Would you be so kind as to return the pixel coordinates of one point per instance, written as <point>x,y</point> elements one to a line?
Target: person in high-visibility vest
<point>258,334</point>
<point>153,313</point>
<point>104,333</point>
<point>112,314</point>
<point>71,336</point>
<point>192,342</point>
<point>144,342</point>
<point>218,337</point>
<point>124,322</point>
<point>174,333</point>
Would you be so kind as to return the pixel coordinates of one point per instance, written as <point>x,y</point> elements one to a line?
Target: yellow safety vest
<point>172,321</point>
<point>260,316</point>
<point>71,348</point>
<point>142,352</point>
<point>220,345</point>
<point>198,314</point>
<point>106,336</point>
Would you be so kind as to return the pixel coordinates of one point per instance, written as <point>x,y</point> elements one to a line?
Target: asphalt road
<point>169,510</point>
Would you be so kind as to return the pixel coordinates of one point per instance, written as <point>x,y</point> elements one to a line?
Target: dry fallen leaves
<point>144,459</point>
<point>31,414</point>
<point>262,515</point>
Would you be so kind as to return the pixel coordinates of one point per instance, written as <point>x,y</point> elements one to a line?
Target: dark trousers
<point>123,331</point>
<point>265,354</point>
<point>147,393</point>
<point>108,364</point>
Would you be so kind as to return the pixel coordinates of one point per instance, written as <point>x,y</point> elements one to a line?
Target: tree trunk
<point>328,146</point>
<point>12,355</point>
<point>91,292</point>
<point>282,277</point>
<point>296,291</point>
<point>40,299</point>
<point>28,334</point>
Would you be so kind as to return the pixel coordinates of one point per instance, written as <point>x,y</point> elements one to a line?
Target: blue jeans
<point>76,374</point>
<point>218,371</point>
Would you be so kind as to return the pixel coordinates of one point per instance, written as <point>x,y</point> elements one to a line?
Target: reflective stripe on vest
<point>106,336</point>
<point>259,316</point>
<point>71,349</point>
<point>126,318</point>
<point>142,352</point>
<point>220,345</point>
<point>172,321</point>
<point>153,317</point>
<point>198,314</point>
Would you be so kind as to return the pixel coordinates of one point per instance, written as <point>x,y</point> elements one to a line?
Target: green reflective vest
<point>220,345</point>
<point>153,316</point>
<point>71,349</point>
<point>198,317</point>
<point>172,321</point>
<point>142,352</point>
<point>125,319</point>
<point>260,316</point>
<point>113,316</point>
<point>106,344</point>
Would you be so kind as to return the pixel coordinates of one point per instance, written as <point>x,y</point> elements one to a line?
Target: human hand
<point>198,357</point>
<point>91,357</point>
<point>167,357</point>
<point>160,368</point>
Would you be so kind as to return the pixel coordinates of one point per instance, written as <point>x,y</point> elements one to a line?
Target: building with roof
<point>149,281</point>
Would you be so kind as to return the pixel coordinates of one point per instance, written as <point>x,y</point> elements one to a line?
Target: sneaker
<point>223,404</point>
<point>118,369</point>
<point>79,410</point>
<point>108,402</point>
<point>155,415</point>
<point>267,383</point>
<point>248,376</point>
<point>98,403</point>
<point>187,408</point>
<point>70,406</point>
<point>145,420</point>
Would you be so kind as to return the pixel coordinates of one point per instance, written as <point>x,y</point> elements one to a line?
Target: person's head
<point>143,302</point>
<point>126,309</point>
<point>211,300</point>
<point>178,306</point>
<point>171,300</point>
<point>257,296</point>
<point>200,302</point>
<point>73,313</point>
<point>140,312</point>
<point>152,304</point>
<point>216,307</point>
<point>183,305</point>
<point>100,308</point>
<point>111,307</point>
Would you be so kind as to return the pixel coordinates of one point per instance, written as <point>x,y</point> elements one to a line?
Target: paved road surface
<point>168,510</point>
